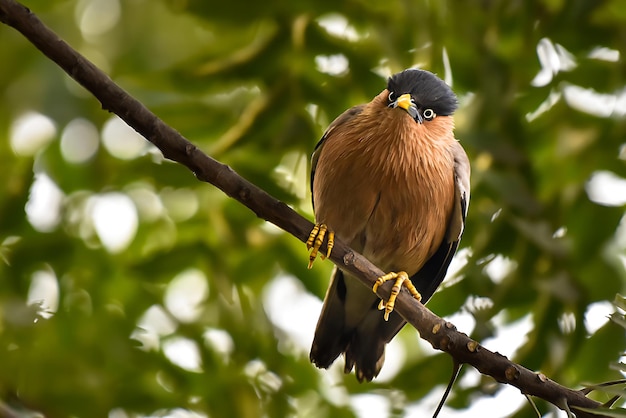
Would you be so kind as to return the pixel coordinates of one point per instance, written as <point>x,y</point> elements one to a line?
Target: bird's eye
<point>429,114</point>
<point>391,97</point>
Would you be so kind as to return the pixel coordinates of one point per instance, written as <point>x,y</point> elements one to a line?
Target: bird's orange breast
<point>385,184</point>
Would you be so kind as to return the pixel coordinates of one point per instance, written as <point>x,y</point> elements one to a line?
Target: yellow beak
<point>404,101</point>
<point>407,104</point>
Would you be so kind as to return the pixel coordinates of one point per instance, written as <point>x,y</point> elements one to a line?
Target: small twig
<point>456,368</point>
<point>611,401</point>
<point>533,405</point>
<point>590,388</point>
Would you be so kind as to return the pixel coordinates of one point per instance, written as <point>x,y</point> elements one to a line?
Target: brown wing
<point>343,118</point>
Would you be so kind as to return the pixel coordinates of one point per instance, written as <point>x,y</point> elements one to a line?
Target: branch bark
<point>441,334</point>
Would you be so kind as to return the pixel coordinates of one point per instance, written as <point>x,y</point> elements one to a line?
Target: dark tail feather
<point>331,337</point>
<point>363,345</point>
<point>366,351</point>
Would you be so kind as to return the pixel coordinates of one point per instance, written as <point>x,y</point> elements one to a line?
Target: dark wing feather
<point>428,279</point>
<point>341,119</point>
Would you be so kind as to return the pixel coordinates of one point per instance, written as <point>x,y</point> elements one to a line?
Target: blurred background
<point>130,289</point>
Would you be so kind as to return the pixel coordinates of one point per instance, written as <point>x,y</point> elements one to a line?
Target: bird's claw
<point>401,278</point>
<point>316,239</point>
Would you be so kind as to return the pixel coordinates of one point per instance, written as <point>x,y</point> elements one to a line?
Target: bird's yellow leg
<point>401,278</point>
<point>316,238</point>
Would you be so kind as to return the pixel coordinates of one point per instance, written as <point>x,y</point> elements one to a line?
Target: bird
<point>389,179</point>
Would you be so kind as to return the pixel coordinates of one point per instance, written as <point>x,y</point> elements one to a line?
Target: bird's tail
<point>331,336</point>
<point>361,333</point>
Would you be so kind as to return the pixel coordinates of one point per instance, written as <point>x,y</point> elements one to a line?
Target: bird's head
<point>422,94</point>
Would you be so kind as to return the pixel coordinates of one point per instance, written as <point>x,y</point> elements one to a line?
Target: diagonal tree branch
<point>441,334</point>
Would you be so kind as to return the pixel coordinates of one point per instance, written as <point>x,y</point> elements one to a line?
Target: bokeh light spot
<point>335,65</point>
<point>606,188</point>
<point>181,204</point>
<point>44,291</point>
<point>153,324</point>
<point>31,132</point>
<point>115,220</point>
<point>121,141</point>
<point>185,294</point>
<point>96,17</point>
<point>184,353</point>
<point>79,141</point>
<point>43,208</point>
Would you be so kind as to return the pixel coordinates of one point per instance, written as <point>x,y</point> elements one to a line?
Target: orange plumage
<point>393,183</point>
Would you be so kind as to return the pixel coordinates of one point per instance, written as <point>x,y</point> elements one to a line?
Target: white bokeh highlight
<point>370,405</point>
<point>597,315</point>
<point>553,58</point>
<point>115,220</point>
<point>154,324</point>
<point>499,268</point>
<point>181,204</point>
<point>44,292</point>
<point>589,101</point>
<point>602,53</point>
<point>147,202</point>
<point>122,141</point>
<point>79,141</point>
<point>508,337</point>
<point>337,25</point>
<point>96,17</point>
<point>606,188</point>
<point>292,310</point>
<point>45,200</point>
<point>220,341</point>
<point>335,65</point>
<point>184,353</point>
<point>185,295</point>
<point>30,133</point>
<point>503,403</point>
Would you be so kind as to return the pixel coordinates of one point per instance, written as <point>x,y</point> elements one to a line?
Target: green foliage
<point>250,84</point>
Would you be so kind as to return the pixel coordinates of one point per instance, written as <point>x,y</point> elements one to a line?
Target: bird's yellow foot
<point>401,278</point>
<point>316,238</point>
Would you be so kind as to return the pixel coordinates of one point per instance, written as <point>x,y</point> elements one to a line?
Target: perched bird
<point>391,181</point>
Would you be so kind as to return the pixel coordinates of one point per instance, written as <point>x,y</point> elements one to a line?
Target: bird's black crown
<point>427,90</point>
